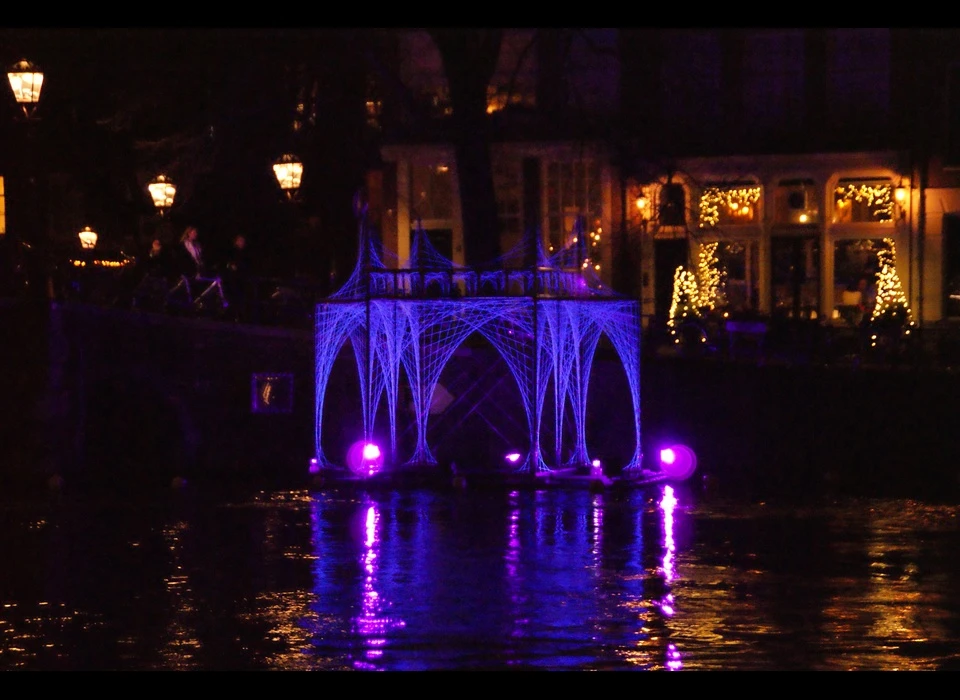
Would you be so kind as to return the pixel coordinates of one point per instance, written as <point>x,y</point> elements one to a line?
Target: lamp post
<point>162,192</point>
<point>289,172</point>
<point>26,83</point>
<point>88,238</point>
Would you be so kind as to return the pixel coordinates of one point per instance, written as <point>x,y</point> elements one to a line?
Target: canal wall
<point>106,397</point>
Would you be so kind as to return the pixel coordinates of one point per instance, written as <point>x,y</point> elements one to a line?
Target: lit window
<point>855,266</point>
<point>3,209</point>
<point>573,193</point>
<point>863,201</point>
<point>738,262</point>
<point>432,192</point>
<point>373,105</point>
<point>729,205</point>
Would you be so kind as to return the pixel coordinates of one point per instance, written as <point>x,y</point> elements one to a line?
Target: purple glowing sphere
<point>678,462</point>
<point>364,458</point>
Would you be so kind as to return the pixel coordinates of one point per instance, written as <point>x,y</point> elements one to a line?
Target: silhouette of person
<point>236,276</point>
<point>190,261</point>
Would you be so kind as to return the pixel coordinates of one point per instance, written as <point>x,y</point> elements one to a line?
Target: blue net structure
<point>544,316</point>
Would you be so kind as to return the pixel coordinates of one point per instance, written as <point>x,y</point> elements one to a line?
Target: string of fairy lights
<point>735,202</point>
<point>877,197</point>
<point>696,292</point>
<point>891,302</point>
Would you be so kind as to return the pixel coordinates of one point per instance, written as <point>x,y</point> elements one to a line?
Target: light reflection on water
<point>658,579</point>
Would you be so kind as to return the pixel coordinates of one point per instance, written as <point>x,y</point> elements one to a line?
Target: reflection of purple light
<point>372,623</point>
<point>667,605</point>
<point>674,662</point>
<point>667,455</point>
<point>513,457</point>
<point>667,504</point>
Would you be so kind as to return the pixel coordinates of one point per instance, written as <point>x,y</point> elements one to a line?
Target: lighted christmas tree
<point>891,303</point>
<point>710,277</point>
<point>685,305</point>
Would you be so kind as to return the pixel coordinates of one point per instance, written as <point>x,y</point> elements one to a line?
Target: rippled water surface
<point>662,578</point>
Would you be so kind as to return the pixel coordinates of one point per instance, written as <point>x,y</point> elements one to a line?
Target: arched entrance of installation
<point>476,416</point>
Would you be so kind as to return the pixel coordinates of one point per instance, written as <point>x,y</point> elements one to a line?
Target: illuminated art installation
<point>404,323</point>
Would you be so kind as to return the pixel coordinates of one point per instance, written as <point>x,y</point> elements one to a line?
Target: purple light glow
<point>674,663</point>
<point>364,458</point>
<point>678,462</point>
<point>314,466</point>
<point>596,463</point>
<point>513,457</point>
<point>668,505</point>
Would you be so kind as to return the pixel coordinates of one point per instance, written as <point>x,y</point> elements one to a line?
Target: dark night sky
<point>146,85</point>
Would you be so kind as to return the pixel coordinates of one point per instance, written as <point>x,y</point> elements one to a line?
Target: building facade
<point>800,153</point>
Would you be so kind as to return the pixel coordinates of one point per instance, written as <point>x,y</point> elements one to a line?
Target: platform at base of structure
<point>435,476</point>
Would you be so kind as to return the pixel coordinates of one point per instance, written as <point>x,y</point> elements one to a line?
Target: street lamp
<point>162,191</point>
<point>26,81</point>
<point>88,238</point>
<point>289,172</point>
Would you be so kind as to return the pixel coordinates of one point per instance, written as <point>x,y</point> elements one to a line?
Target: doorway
<point>795,276</point>
<point>951,266</point>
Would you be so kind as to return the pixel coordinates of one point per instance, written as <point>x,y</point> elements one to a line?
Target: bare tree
<point>469,61</point>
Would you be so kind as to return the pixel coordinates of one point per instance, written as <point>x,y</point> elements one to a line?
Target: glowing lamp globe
<point>289,172</point>
<point>678,462</point>
<point>364,458</point>
<point>26,81</point>
<point>88,238</point>
<point>162,192</point>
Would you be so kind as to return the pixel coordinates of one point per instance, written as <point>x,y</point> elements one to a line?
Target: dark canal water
<point>681,577</point>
